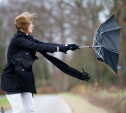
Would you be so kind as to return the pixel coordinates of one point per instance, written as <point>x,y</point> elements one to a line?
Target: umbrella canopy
<point>106,43</point>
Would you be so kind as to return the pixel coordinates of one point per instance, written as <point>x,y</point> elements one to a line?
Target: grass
<point>79,105</point>
<point>114,101</point>
<point>4,103</point>
<point>118,103</point>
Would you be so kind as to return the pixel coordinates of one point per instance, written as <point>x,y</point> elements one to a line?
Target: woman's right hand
<point>65,48</point>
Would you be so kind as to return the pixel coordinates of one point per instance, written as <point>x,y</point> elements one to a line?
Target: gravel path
<point>50,104</point>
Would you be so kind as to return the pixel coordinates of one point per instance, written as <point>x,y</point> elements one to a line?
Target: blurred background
<point>64,22</point>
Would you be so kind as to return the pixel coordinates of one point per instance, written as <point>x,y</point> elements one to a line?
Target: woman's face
<point>30,28</point>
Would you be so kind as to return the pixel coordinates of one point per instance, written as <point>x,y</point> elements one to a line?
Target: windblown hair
<point>23,20</point>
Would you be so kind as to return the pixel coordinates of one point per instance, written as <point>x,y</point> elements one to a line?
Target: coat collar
<point>24,35</point>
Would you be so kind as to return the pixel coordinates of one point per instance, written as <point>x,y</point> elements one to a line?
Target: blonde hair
<point>23,20</point>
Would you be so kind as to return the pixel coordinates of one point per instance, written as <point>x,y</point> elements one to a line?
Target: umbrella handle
<point>88,46</point>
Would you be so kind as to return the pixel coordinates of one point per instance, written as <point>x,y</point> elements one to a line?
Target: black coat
<point>17,76</point>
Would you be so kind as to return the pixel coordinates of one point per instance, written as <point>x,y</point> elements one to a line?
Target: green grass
<point>4,103</point>
<point>108,94</point>
<point>80,105</point>
<point>110,98</point>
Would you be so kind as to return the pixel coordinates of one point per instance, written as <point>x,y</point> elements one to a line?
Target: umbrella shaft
<point>88,46</point>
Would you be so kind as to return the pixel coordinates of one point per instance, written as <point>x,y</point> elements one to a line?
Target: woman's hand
<point>65,48</point>
<point>73,47</point>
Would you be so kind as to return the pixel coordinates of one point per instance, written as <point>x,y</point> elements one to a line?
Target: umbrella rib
<point>102,45</point>
<point>99,50</point>
<point>98,53</point>
<point>112,50</point>
<point>110,30</point>
<point>107,48</point>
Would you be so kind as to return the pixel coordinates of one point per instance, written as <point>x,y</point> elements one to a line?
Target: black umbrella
<point>106,43</point>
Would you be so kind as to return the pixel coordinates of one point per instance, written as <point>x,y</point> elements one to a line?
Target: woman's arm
<point>50,44</point>
<point>27,44</point>
<point>31,45</point>
<point>71,46</point>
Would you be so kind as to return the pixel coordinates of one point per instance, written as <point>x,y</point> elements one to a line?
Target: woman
<point>17,79</point>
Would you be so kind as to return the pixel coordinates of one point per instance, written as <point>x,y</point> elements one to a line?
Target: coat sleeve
<point>49,44</point>
<point>30,45</point>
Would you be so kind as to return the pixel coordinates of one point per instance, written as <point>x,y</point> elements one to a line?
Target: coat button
<point>22,69</point>
<point>26,53</point>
